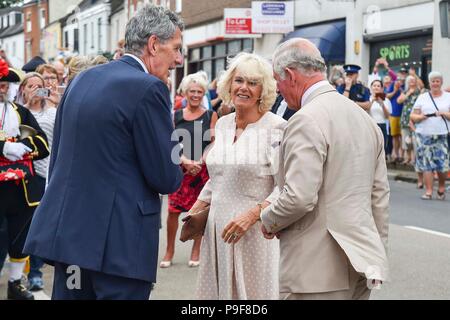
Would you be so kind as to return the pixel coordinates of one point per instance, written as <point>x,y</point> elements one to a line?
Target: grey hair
<point>150,20</point>
<point>435,74</point>
<point>290,55</point>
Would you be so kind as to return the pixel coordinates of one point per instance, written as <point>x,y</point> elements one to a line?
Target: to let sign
<point>238,22</point>
<point>272,17</point>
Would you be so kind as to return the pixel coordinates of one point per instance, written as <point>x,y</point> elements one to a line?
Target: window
<point>99,34</point>
<point>178,6</point>
<point>234,47</point>
<point>42,18</point>
<point>212,58</point>
<point>1,25</point>
<point>85,35</point>
<point>66,39</point>
<point>92,35</point>
<point>248,45</point>
<point>76,40</point>
<point>29,22</point>
<point>207,52</point>
<point>117,30</point>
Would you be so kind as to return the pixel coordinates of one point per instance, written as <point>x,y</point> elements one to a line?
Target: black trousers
<point>15,217</point>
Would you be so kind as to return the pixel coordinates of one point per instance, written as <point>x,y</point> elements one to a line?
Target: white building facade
<point>14,46</point>
<point>93,23</point>
<point>118,23</point>
<point>12,38</point>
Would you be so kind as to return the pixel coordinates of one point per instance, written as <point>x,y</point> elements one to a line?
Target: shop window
<point>195,54</point>
<point>248,45</point>
<point>206,52</point>
<point>218,67</point>
<point>234,47</point>
<point>221,50</point>
<point>207,67</point>
<point>213,58</point>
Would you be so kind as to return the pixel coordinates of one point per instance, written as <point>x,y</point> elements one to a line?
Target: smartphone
<point>43,92</point>
<point>430,115</point>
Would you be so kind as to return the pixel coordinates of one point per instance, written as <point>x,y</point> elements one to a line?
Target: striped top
<point>46,120</point>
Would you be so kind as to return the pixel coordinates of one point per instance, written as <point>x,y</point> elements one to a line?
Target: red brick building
<point>35,20</point>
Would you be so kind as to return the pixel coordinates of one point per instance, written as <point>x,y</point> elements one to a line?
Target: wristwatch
<point>346,90</point>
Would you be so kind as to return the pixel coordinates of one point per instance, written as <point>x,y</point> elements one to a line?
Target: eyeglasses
<point>51,78</point>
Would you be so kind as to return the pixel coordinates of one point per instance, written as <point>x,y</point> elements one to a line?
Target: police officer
<point>353,89</point>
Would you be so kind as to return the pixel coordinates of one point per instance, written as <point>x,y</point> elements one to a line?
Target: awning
<point>328,37</point>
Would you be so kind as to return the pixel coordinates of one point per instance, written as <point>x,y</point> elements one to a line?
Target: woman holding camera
<point>34,95</point>
<point>431,113</point>
<point>50,75</point>
<point>380,107</point>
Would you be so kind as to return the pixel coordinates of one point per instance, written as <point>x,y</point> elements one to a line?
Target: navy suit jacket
<point>111,158</point>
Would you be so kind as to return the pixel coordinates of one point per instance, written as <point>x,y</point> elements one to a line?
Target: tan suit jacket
<point>333,205</point>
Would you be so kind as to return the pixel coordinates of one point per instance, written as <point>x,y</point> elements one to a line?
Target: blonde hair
<point>20,99</point>
<point>77,64</point>
<point>195,78</point>
<point>98,60</point>
<point>251,66</point>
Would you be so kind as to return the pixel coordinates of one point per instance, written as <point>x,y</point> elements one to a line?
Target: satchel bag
<point>194,225</point>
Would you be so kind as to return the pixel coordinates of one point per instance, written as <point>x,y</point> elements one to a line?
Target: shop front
<point>407,52</point>
<point>329,37</point>
<point>212,57</point>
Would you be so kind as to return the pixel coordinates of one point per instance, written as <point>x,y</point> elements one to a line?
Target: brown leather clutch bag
<point>194,225</point>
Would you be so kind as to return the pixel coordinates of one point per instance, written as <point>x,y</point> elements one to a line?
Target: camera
<point>43,93</point>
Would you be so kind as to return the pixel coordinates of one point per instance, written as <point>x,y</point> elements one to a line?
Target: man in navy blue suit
<point>113,154</point>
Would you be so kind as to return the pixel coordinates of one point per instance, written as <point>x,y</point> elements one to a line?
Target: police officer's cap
<point>351,68</point>
<point>33,64</point>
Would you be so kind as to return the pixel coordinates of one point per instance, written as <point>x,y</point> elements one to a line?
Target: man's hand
<point>15,151</point>
<point>348,83</point>
<point>192,167</point>
<point>267,235</point>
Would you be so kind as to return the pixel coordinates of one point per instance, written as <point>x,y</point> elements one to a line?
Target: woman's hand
<point>33,94</point>
<point>236,229</point>
<point>54,96</point>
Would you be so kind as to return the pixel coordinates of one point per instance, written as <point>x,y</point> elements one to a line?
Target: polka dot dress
<point>242,174</point>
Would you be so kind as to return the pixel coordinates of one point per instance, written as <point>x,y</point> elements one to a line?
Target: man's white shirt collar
<point>313,88</point>
<point>138,60</point>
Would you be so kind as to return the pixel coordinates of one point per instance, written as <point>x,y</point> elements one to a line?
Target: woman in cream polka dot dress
<point>236,261</point>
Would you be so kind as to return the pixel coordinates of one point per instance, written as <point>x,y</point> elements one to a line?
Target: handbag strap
<point>434,103</point>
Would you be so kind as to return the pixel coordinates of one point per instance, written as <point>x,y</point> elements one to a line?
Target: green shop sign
<point>396,52</point>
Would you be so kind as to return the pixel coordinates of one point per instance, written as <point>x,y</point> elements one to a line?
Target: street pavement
<point>419,253</point>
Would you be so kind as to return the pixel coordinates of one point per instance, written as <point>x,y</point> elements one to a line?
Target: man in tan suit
<point>332,212</point>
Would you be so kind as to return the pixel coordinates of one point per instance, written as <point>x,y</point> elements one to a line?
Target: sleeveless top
<point>193,135</point>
